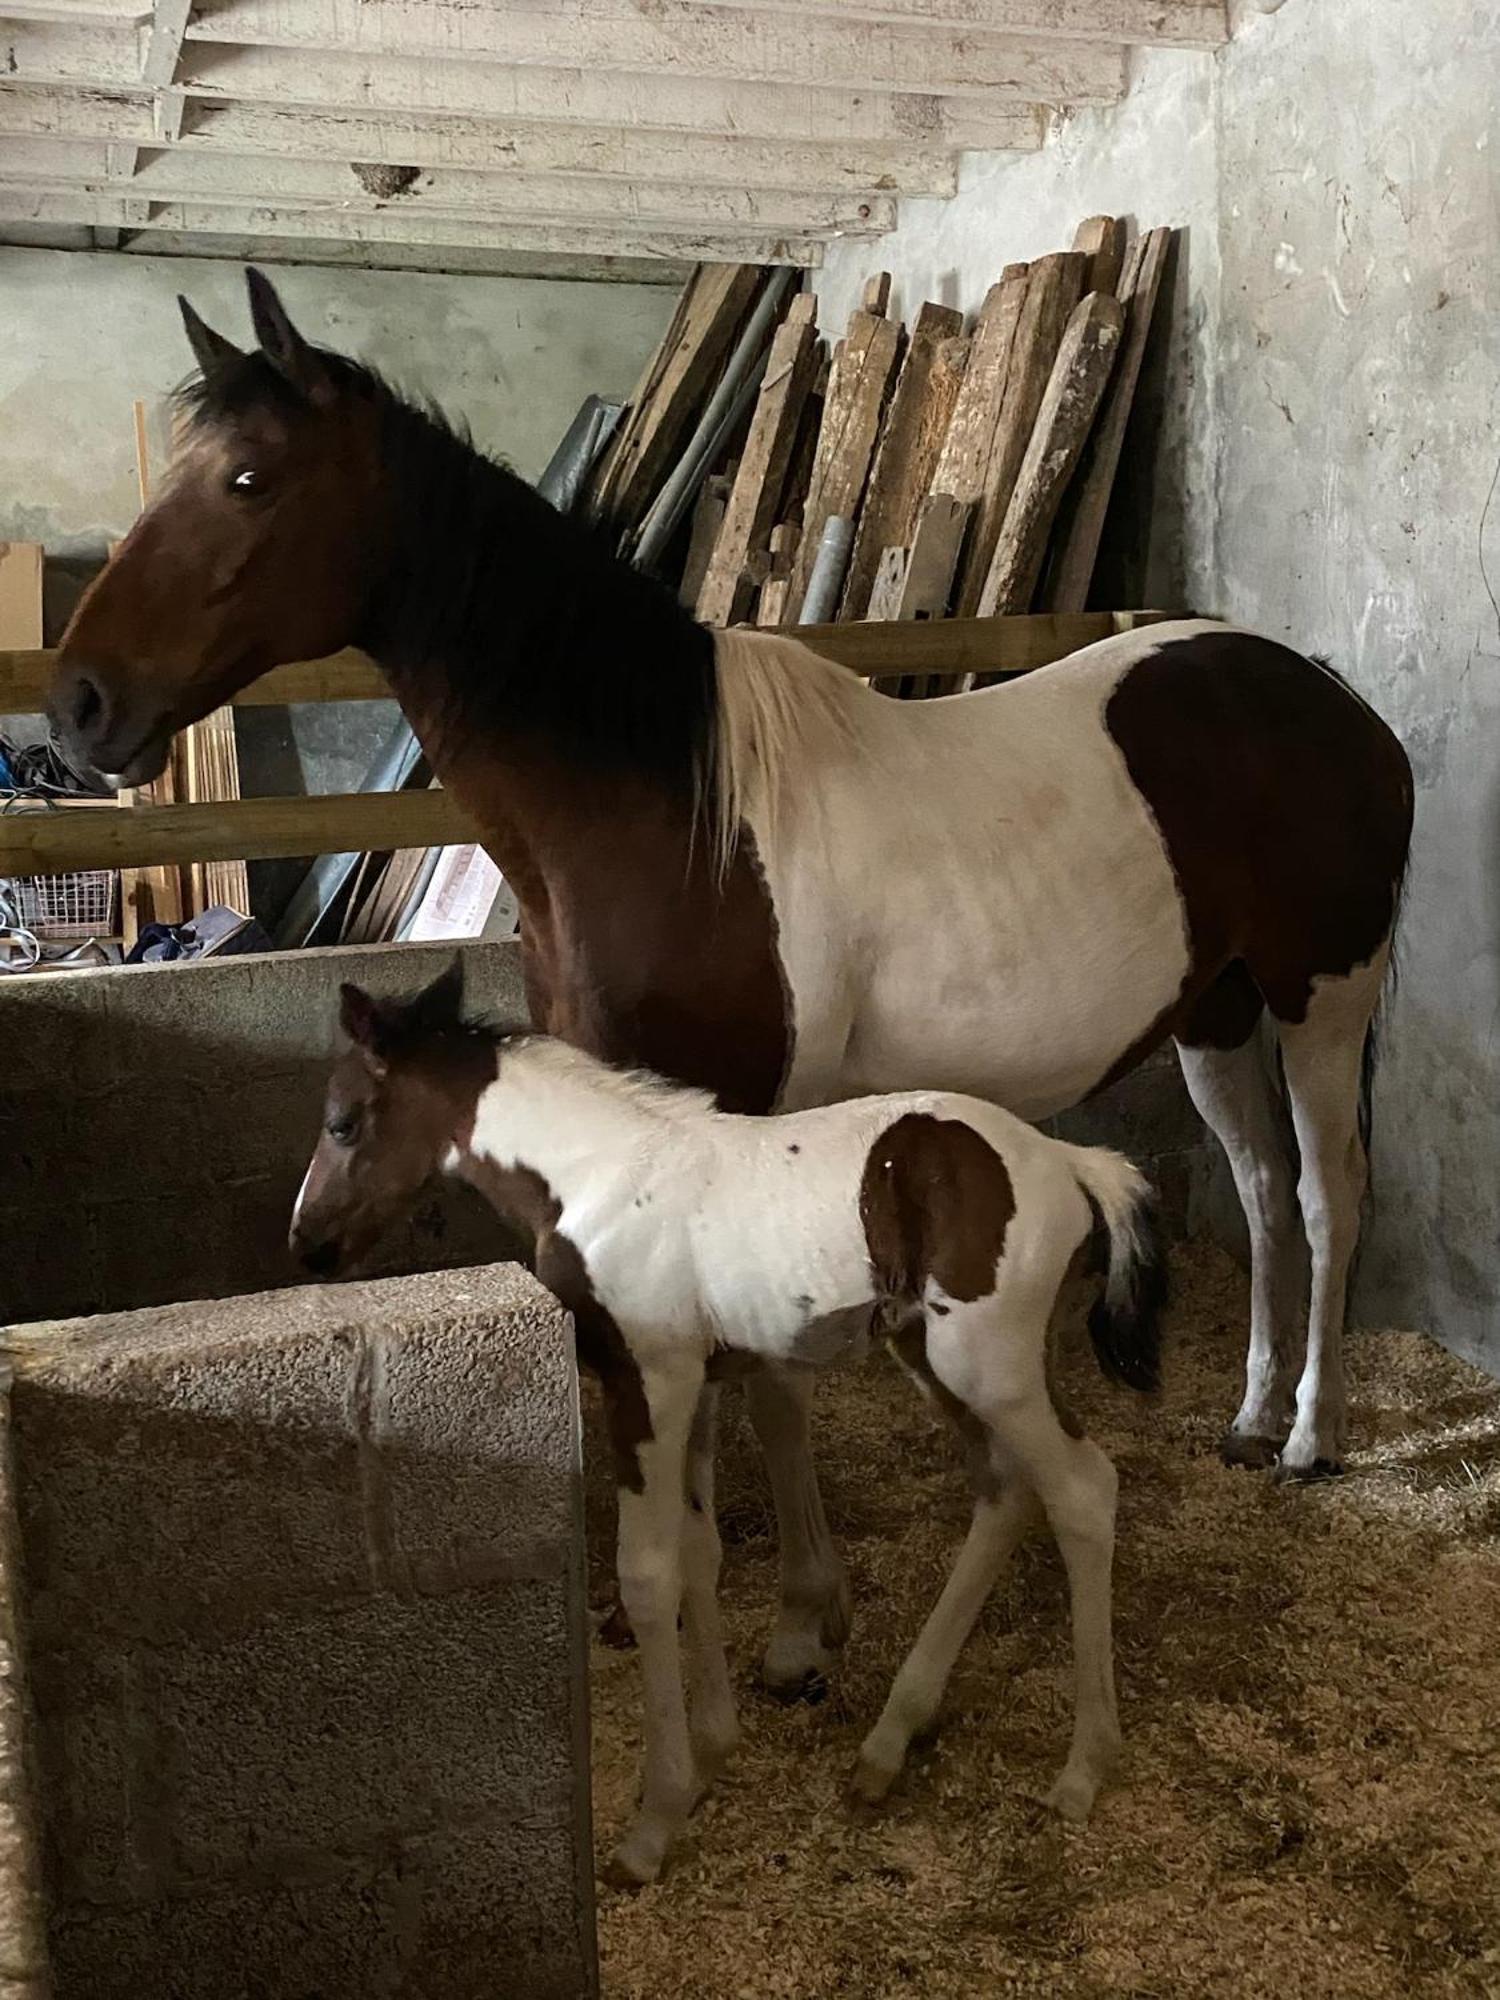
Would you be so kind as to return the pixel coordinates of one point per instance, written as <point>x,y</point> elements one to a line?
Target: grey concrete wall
<point>1358,389</point>
<point>305,1637</point>
<point>156,1123</point>
<point>1151,158</point>
<point>84,335</point>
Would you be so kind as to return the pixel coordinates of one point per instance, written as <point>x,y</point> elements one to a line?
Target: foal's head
<point>397,1103</point>
<point>258,547</point>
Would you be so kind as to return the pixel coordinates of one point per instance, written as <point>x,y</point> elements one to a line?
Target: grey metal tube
<point>829,564</point>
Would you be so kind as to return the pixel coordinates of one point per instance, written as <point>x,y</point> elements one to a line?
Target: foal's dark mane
<point>522,618</point>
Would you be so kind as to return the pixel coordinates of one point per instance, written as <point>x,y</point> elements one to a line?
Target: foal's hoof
<point>616,1632</point>
<point>868,1788</point>
<point>1310,1475</point>
<point>630,1867</point>
<point>810,1686</point>
<point>1252,1454</point>
<point>1072,1797</point>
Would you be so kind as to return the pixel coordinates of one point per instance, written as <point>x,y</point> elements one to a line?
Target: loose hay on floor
<point>1309,1685</point>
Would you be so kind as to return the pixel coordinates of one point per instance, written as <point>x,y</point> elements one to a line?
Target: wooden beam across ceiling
<point>681,39</point>
<point>496,147</point>
<point>207,179</point>
<point>25,206</point>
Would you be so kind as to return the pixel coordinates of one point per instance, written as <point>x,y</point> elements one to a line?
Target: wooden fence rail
<point>56,842</point>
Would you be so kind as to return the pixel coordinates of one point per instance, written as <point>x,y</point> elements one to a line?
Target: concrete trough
<point>296,1701</point>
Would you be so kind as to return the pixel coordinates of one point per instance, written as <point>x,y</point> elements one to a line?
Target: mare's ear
<point>441,1004</point>
<point>211,350</point>
<point>296,360</point>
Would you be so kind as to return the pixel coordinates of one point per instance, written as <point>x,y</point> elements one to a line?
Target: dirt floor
<point>1309,1687</point>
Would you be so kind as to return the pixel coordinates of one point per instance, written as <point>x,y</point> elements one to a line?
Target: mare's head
<point>257,548</point>
<point>398,1102</point>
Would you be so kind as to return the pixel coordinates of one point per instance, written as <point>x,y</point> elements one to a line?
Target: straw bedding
<point>1310,1690</point>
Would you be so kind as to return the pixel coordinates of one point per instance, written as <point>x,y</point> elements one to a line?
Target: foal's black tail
<point>1125,1323</point>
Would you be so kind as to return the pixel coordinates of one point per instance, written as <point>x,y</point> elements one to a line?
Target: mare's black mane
<point>522,617</point>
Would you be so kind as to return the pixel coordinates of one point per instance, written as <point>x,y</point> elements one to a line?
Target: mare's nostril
<point>87,704</point>
<point>319,1260</point>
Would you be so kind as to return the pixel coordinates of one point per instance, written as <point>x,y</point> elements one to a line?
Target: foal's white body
<point>704,1233</point>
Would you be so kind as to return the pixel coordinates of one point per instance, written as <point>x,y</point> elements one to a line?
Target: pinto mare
<point>686,1240</point>
<point>739,866</point>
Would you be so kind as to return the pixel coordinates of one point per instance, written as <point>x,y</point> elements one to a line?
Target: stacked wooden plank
<point>915,473</point>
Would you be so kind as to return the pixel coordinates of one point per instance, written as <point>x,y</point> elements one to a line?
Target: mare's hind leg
<point>1235,1093</point>
<point>815,1604</point>
<point>712,1724</point>
<point>1323,1055</point>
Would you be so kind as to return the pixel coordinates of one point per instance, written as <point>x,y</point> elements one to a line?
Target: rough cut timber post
<point>1101,238</point>
<point>1053,287</point>
<point>773,594</point>
<point>708,520</point>
<point>1079,378</point>
<point>915,428</point>
<point>963,463</point>
<point>755,499</point>
<point>859,381</point>
<point>1086,505</point>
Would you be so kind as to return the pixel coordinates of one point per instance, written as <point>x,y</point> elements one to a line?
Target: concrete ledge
<point>303,1613</point>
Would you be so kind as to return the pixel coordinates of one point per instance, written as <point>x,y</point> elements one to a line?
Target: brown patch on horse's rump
<point>1285,806</point>
<point>526,1197</point>
<point>935,1201</point>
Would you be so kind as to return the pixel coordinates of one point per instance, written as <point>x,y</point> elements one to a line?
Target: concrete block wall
<point>156,1123</point>
<point>303,1624</point>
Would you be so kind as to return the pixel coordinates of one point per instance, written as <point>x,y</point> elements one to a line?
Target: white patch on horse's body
<point>1060,927</point>
<point>739,1232</point>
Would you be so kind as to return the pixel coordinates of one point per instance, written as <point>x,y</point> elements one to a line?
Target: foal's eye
<point>246,480</point>
<point>343,1129</point>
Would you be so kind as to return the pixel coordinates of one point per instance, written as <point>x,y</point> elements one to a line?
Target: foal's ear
<point>289,354</point>
<point>441,1004</point>
<point>361,1018</point>
<point>211,350</point>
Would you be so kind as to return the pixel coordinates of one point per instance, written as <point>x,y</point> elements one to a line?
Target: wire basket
<point>81,905</point>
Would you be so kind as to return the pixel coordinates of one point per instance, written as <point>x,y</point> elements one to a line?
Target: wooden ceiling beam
<point>679,39</point>
<point>498,147</point>
<point>1200,24</point>
<point>22,205</point>
<point>209,179</point>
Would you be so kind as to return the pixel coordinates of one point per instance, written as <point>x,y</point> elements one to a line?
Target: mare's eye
<point>246,480</point>
<point>343,1128</point>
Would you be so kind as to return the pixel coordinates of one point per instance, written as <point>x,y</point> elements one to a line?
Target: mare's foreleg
<point>814,1618</point>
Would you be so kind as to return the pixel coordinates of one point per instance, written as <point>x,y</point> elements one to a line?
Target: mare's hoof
<point>1310,1475</point>
<point>1251,1454</point>
<point>616,1632</point>
<point>868,1787</point>
<point>1072,1797</point>
<point>630,1871</point>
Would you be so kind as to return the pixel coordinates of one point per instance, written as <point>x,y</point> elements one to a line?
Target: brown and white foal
<point>682,1237</point>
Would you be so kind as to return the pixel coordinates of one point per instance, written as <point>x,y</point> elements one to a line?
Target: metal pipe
<point>829,564</point>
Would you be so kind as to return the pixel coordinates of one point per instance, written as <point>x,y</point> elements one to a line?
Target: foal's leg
<point>712,1724</point>
<point>1001,1522</point>
<point>650,1569</point>
<point>814,1617</point>
<point>992,1356</point>
<point>1323,1055</point>
<point>1236,1096</point>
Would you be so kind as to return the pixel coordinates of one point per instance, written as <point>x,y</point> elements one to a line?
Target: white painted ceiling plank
<point>1199,24</point>
<point>176,175</point>
<point>685,40</point>
<point>22,205</point>
<point>618,153</point>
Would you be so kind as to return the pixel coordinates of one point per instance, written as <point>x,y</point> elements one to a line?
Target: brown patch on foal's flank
<point>1310,1799</point>
<point>935,1201</point>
